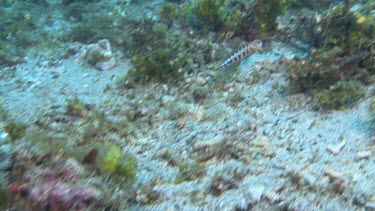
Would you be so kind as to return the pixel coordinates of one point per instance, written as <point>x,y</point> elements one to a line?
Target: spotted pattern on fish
<point>243,53</point>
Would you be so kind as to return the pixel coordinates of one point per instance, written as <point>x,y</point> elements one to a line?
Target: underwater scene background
<point>187,105</point>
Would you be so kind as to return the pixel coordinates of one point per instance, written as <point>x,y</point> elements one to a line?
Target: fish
<point>245,52</point>
<point>299,44</point>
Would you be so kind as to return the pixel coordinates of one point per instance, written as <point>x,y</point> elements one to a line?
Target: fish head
<point>256,45</point>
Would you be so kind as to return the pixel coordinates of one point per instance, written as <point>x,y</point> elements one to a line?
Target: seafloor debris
<point>337,148</point>
<point>98,54</point>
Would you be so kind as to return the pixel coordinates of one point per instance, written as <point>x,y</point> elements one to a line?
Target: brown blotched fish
<point>248,50</point>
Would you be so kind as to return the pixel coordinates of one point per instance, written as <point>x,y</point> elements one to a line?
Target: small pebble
<point>359,199</point>
<point>241,205</point>
<point>358,177</point>
<point>363,154</point>
<point>5,157</point>
<point>337,148</point>
<point>3,135</point>
<point>257,192</point>
<point>167,100</point>
<point>106,65</point>
<point>333,174</point>
<point>370,206</point>
<point>198,145</point>
<point>165,87</point>
<point>372,140</point>
<point>201,81</point>
<point>273,197</point>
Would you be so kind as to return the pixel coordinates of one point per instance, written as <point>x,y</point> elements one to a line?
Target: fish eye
<point>259,42</point>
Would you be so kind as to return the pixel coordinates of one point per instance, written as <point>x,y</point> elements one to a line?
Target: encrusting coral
<point>55,187</point>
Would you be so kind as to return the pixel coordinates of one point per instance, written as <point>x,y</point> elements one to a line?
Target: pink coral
<point>49,188</point>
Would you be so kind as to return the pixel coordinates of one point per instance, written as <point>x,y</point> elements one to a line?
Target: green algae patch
<point>320,72</point>
<point>340,55</point>
<point>190,172</point>
<point>120,166</point>
<point>210,13</point>
<point>76,108</point>
<point>109,158</point>
<point>15,130</point>
<point>157,65</point>
<point>266,12</point>
<point>341,96</point>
